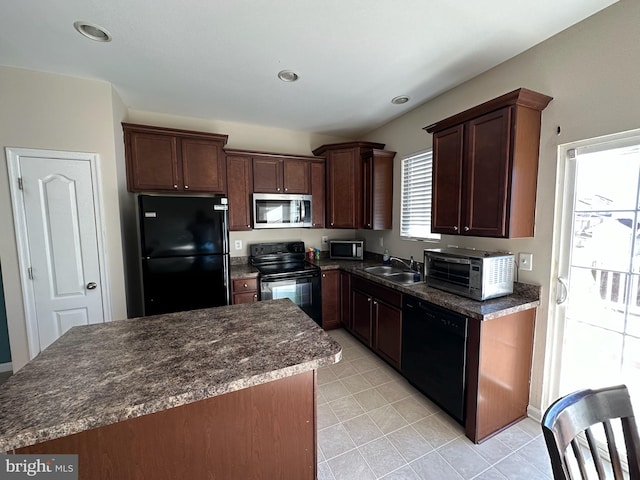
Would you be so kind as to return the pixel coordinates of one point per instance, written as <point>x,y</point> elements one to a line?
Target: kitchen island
<point>227,392</point>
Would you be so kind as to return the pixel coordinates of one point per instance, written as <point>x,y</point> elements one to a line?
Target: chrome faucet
<point>410,267</point>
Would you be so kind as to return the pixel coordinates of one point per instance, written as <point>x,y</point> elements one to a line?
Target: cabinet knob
<point>466,229</point>
<point>368,299</point>
<point>248,226</point>
<point>186,187</point>
<point>255,295</point>
<point>286,189</point>
<point>324,275</point>
<point>332,224</point>
<point>245,285</point>
<point>278,189</point>
<point>175,186</point>
<point>455,228</point>
<point>375,303</point>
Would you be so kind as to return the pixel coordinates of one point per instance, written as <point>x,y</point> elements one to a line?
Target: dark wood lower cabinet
<point>499,353</point>
<point>244,290</point>
<point>345,300</point>
<point>376,318</point>
<point>260,432</point>
<point>498,372</point>
<point>361,317</point>
<point>330,299</point>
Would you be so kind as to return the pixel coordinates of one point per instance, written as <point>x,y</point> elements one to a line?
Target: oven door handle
<point>289,276</point>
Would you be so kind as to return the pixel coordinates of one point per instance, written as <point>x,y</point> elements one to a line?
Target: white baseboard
<point>534,413</point>
<point>6,367</point>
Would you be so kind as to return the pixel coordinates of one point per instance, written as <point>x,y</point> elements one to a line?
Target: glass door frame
<point>561,251</point>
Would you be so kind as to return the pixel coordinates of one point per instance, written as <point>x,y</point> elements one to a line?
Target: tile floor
<point>372,424</point>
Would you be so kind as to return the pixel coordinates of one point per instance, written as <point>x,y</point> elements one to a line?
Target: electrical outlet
<point>382,241</point>
<point>525,262</point>
<point>325,239</point>
<point>238,244</point>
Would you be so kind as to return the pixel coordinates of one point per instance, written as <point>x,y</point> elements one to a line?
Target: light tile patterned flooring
<point>372,424</point>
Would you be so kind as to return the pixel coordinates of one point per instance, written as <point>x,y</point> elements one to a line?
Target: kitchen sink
<point>401,277</point>
<point>382,270</point>
<point>396,275</point>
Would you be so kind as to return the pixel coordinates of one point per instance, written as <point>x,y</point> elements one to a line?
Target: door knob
<point>91,285</point>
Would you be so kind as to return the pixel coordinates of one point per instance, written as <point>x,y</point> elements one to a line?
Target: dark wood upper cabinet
<point>280,175</point>
<point>352,185</point>
<point>165,159</point>
<point>485,167</point>
<point>239,183</point>
<point>377,189</point>
<point>317,173</point>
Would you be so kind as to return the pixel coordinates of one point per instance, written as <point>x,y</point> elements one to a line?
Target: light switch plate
<point>525,262</point>
<point>325,239</point>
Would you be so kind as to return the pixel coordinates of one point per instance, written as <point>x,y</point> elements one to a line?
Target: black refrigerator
<point>184,246</point>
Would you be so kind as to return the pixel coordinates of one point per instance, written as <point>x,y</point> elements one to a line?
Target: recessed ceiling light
<point>400,100</point>
<point>288,76</point>
<point>92,31</point>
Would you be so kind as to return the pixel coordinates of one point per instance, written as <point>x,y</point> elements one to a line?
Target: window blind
<point>415,208</point>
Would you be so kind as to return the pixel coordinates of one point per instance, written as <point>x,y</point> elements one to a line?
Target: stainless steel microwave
<point>346,249</point>
<point>474,274</point>
<point>272,210</point>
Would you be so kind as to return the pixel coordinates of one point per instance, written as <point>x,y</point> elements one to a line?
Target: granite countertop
<point>524,296</point>
<point>97,375</point>
<point>243,271</point>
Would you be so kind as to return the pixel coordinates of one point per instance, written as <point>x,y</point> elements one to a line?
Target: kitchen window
<point>415,206</point>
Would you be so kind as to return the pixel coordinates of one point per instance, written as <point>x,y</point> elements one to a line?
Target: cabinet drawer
<point>241,285</point>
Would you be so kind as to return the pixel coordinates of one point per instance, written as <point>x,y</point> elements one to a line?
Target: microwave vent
<point>501,271</point>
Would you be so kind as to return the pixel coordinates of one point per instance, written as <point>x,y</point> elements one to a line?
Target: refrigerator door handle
<point>225,230</point>
<point>225,268</point>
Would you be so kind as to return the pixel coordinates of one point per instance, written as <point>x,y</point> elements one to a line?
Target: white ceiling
<point>218,59</point>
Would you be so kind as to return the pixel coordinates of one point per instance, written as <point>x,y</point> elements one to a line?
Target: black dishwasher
<point>434,353</point>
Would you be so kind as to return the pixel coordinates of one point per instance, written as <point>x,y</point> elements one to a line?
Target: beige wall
<point>593,72</point>
<point>40,110</point>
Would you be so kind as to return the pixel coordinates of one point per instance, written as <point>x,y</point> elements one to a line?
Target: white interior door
<point>56,212</point>
<point>598,315</point>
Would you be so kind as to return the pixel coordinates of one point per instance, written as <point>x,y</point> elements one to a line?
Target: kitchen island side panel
<point>265,431</point>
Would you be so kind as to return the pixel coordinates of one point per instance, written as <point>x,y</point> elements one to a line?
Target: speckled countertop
<point>97,375</point>
<point>524,296</point>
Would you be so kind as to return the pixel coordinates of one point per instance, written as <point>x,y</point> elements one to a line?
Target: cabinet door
<point>318,193</point>
<point>330,299</point>
<point>152,160</point>
<point>446,201</point>
<point>267,175</point>
<point>343,188</point>
<point>239,181</point>
<point>487,174</point>
<point>203,166</point>
<point>377,190</point>
<point>388,332</point>
<point>367,193</point>
<point>345,300</point>
<point>361,304</point>
<point>295,176</point>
